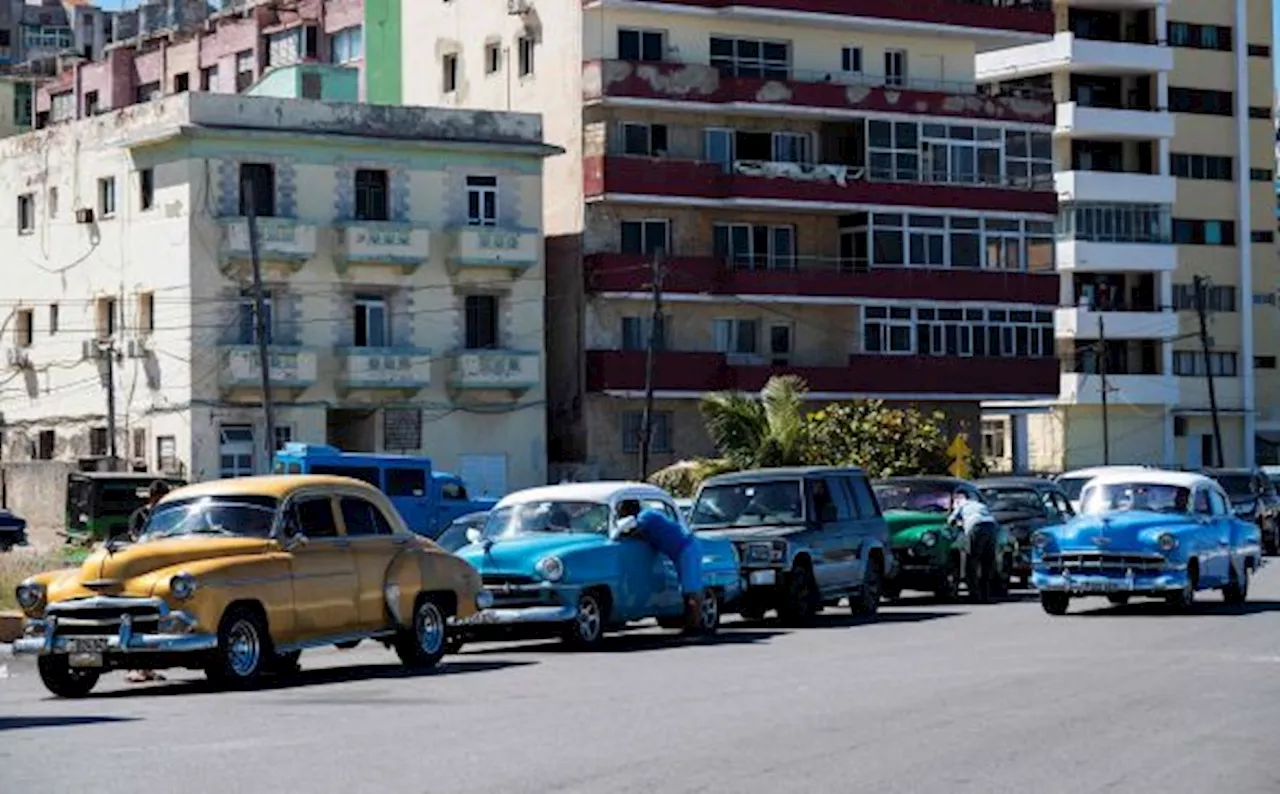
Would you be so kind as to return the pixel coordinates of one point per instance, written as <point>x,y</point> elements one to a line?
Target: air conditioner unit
<point>88,349</point>
<point>517,7</point>
<point>134,349</point>
<point>84,215</point>
<point>17,358</point>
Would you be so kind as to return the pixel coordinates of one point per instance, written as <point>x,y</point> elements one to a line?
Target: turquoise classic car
<point>555,558</point>
<point>1151,533</point>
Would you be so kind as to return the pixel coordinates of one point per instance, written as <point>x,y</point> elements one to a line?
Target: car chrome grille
<point>1102,562</point>
<point>506,579</point>
<point>90,618</point>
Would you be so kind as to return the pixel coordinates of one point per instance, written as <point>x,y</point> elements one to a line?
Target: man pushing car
<point>672,539</point>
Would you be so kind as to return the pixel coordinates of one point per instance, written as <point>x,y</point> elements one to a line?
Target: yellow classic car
<point>237,577</point>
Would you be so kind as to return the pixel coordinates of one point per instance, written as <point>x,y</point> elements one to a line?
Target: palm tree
<point>753,433</point>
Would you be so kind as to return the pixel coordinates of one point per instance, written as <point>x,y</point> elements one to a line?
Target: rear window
<point>369,474</point>
<point>406,482</point>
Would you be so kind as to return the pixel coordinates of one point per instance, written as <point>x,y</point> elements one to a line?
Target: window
<point>1262,175</point>
<point>284,436</point>
<point>257,189</point>
<point>167,454</point>
<point>146,188</point>
<point>1260,112</point>
<point>1260,50</point>
<point>148,91</point>
<point>993,437</point>
<point>1264,362</point>
<point>751,58</point>
<point>449,69</point>
<point>24,327</point>
<point>737,337</point>
<point>648,237</point>
<point>147,312</point>
<point>949,330</point>
<point>1115,223</point>
<point>1201,232</point>
<point>26,213</point>
<point>245,68</point>
<point>851,60</point>
<point>371,321</point>
<point>641,45</point>
<point>492,58</point>
<point>347,45</point>
<point>633,432</point>
<point>107,197</point>
<point>755,246</point>
<point>406,482</point>
<point>235,451</point>
<point>645,140</point>
<point>181,83</point>
<point>371,195</point>
<point>314,518</point>
<point>792,147</point>
<point>481,322</point>
<point>525,52</point>
<point>863,497</point>
<point>1217,298</point>
<point>1263,236</point>
<point>53,202</point>
<point>1264,299</point>
<point>97,441</point>
<point>208,78</point>
<point>91,103</point>
<point>62,106</point>
<point>1202,166</point>
<point>1190,363</point>
<point>780,346</point>
<point>895,67</point>
<point>53,319</point>
<point>1200,101</point>
<point>482,200</point>
<point>887,330</point>
<point>454,491</point>
<point>1200,37</point>
<point>44,445</point>
<point>362,518</point>
<point>960,242</point>
<point>635,333</point>
<point>247,310</point>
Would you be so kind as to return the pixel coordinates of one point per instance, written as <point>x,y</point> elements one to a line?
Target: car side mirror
<point>474,535</point>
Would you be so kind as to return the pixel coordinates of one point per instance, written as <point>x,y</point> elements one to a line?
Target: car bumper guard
<point>41,638</point>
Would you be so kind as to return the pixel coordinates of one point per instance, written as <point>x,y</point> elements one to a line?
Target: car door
<point>868,524</point>
<point>663,581</point>
<point>373,545</point>
<point>409,490</point>
<point>323,569</point>
<point>831,541</point>
<point>1223,523</point>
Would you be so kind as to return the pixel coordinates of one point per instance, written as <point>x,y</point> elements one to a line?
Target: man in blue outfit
<point>672,539</point>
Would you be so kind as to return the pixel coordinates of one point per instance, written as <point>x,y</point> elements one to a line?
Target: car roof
<point>601,492</point>
<point>1229,472</point>
<point>1181,479</point>
<point>782,472</point>
<point>1033,483</point>
<point>1094,471</point>
<point>943,478</point>
<point>278,486</point>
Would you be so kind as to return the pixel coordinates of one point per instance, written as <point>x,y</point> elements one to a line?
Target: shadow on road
<point>626,642</point>
<point>828,620</point>
<point>1161,609</point>
<point>21,723</point>
<point>321,677</point>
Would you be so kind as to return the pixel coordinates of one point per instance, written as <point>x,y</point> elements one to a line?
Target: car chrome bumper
<point>1088,584</point>
<point>41,639</point>
<point>517,616</point>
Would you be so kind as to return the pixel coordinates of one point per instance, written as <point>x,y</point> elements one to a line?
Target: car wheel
<point>587,627</point>
<point>949,584</point>
<point>244,647</point>
<point>867,602</point>
<point>708,614</point>
<point>422,645</point>
<point>1055,603</point>
<point>1119,599</point>
<point>63,680</point>
<point>1185,598</point>
<point>800,603</point>
<point>1237,590</point>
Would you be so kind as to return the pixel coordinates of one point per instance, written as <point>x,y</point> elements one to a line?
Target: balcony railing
<point>614,272</point>
<point>707,84</point>
<point>279,239</point>
<point>290,367</point>
<point>379,368</point>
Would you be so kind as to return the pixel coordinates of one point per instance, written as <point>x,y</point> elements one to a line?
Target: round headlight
<point>182,586</point>
<point>550,568</point>
<point>929,539</point>
<point>1167,542</point>
<point>29,595</point>
<point>1040,540</point>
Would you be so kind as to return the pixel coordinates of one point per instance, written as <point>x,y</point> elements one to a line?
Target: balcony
<point>1086,389</point>
<point>495,370</point>
<point>1027,18</point>
<point>1115,257</point>
<point>1115,186</point>
<point>285,241</point>
<point>1083,323</point>
<point>403,245</point>
<point>627,273</point>
<point>1072,53</point>
<point>393,369</point>
<point>697,85</point>
<point>1102,123</point>
<point>902,377</point>
<point>501,247</point>
<point>291,368</point>
<point>764,185</point>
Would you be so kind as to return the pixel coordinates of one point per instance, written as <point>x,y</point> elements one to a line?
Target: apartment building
<point>1163,145</point>
<point>401,254</point>
<point>16,101</point>
<point>826,189</point>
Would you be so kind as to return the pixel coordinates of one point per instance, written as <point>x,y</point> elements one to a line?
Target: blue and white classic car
<point>555,557</point>
<point>1152,533</point>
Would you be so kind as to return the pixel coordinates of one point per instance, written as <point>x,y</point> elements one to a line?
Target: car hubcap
<point>244,648</point>
<point>588,619</point>
<point>430,629</point>
<point>710,611</point>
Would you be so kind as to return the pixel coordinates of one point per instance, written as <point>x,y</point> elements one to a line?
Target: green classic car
<point>926,549</point>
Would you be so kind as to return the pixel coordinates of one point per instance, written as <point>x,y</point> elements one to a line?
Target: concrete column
<point>1244,243</point>
<point>1018,443</point>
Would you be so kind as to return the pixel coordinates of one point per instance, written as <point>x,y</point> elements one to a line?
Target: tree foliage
<point>885,441</point>
<point>681,479</point>
<point>752,432</point>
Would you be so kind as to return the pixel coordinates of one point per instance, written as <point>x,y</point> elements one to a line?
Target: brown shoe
<point>692,612</point>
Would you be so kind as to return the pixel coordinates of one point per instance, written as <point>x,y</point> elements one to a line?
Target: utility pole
<point>110,352</point>
<point>655,327</point>
<point>260,319</point>
<point>1208,366</point>
<point>1102,372</point>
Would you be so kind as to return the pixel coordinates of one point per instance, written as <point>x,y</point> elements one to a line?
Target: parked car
<point>555,558</point>
<point>923,543</point>
<point>1253,498</point>
<point>237,577</point>
<point>1073,482</point>
<point>99,504</point>
<point>455,537</point>
<point>1022,505</point>
<point>686,507</point>
<point>428,500</point>
<point>1152,533</point>
<point>13,531</point>
<point>807,537</point>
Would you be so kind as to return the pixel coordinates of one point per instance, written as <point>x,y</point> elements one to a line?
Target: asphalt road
<point>997,698</point>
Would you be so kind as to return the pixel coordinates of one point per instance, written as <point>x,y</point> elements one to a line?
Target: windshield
<point>548,516</point>
<point>926,497</point>
<point>1072,486</point>
<point>1010,500</point>
<point>748,504</point>
<point>242,516</point>
<point>1135,496</point>
<point>1237,486</point>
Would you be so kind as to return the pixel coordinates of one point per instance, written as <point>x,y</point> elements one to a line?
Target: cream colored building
<point>1164,156</point>
<point>401,251</point>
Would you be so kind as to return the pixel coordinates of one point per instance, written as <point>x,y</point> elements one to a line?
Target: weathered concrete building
<point>401,250</point>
